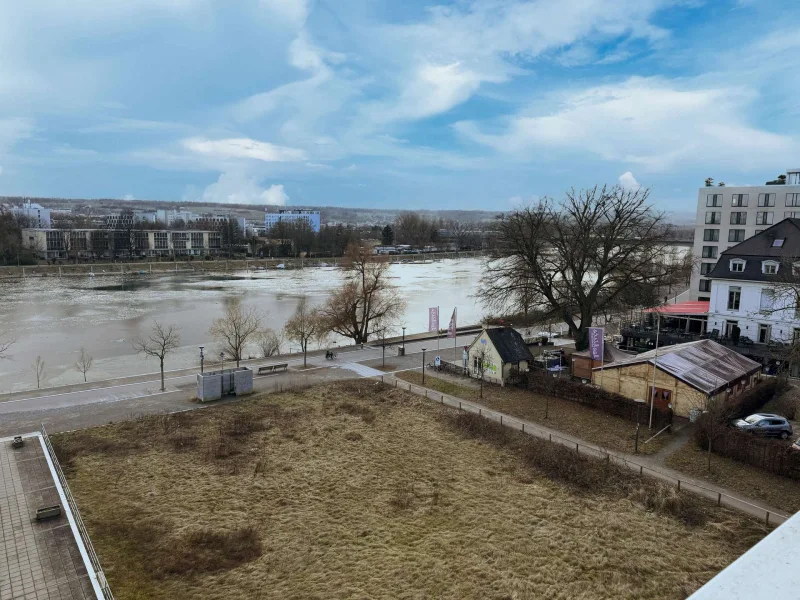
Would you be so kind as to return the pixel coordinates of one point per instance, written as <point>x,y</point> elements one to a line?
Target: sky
<point>476,104</point>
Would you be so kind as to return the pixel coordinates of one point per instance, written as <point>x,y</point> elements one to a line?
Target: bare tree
<point>269,342</point>
<point>38,370</point>
<point>5,345</point>
<point>234,330</point>
<point>479,361</point>
<point>304,326</point>
<point>159,343</point>
<point>459,230</point>
<point>367,302</point>
<point>84,363</point>
<point>570,260</point>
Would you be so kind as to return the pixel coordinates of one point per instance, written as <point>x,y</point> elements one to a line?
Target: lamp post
<point>201,360</point>
<point>638,408</point>
<point>404,340</point>
<point>423,366</point>
<point>222,374</point>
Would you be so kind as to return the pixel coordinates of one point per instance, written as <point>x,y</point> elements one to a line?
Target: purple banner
<point>596,343</point>
<point>433,319</point>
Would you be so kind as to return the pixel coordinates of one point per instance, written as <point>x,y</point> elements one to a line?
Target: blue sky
<point>477,104</point>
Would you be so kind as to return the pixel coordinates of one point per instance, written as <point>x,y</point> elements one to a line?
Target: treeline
<point>12,251</point>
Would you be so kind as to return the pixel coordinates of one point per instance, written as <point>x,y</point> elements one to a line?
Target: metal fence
<point>720,498</point>
<point>95,561</point>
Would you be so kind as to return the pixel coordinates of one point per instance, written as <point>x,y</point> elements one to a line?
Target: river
<point>54,317</point>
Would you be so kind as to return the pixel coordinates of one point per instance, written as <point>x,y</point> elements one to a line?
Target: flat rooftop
<point>39,560</point>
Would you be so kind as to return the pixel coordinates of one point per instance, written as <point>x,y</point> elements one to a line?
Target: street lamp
<point>201,360</point>
<point>423,366</point>
<point>404,340</point>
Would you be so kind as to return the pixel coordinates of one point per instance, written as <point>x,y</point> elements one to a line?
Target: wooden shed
<point>687,375</point>
<point>582,364</point>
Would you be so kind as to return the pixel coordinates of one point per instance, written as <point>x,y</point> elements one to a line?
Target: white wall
<point>749,314</point>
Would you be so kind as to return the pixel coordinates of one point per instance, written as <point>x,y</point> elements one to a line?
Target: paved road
<point>95,403</point>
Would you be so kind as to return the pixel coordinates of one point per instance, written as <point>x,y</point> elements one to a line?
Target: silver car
<point>765,424</point>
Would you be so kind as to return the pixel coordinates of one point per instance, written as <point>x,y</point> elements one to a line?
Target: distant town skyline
<point>477,104</point>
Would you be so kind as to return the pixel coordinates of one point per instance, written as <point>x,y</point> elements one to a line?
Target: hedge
<point>730,442</point>
<point>596,398</point>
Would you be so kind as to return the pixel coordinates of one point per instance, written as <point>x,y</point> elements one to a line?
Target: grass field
<point>357,490</point>
<point>595,426</point>
<point>779,492</point>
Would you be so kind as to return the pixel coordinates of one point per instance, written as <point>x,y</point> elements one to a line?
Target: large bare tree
<point>236,329</point>
<point>304,326</point>
<point>570,260</point>
<point>366,303</point>
<point>159,343</point>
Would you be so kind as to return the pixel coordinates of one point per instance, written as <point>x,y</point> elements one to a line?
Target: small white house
<point>503,352</point>
<point>752,287</point>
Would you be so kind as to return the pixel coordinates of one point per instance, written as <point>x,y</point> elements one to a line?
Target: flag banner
<point>451,329</point>
<point>596,343</point>
<point>433,318</point>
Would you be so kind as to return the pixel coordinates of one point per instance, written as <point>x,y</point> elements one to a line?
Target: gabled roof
<point>509,344</point>
<point>703,364</point>
<point>759,248</point>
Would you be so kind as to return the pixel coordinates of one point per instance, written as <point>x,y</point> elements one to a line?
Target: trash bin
<point>401,351</point>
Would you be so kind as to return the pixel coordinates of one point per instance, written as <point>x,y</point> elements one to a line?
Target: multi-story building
<point>727,216</point>
<point>312,217</point>
<point>55,244</point>
<point>36,215</point>
<point>753,294</point>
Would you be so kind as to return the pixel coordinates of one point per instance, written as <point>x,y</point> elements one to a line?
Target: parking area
<point>39,559</point>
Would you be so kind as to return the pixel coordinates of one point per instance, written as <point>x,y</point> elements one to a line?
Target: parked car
<point>765,424</point>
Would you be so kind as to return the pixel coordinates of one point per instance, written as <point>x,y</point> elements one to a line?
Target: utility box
<point>213,385</point>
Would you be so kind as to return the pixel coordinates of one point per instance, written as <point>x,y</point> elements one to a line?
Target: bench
<point>48,512</point>
<point>272,368</point>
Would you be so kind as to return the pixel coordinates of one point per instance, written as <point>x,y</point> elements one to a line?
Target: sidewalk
<point>642,464</point>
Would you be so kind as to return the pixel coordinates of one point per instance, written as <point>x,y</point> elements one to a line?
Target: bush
<point>367,414</point>
<point>593,397</point>
<point>479,427</point>
<point>788,405</point>
<point>751,401</point>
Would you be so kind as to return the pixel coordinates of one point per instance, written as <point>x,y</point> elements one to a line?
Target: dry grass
<point>595,426</point>
<point>421,505</point>
<point>774,490</point>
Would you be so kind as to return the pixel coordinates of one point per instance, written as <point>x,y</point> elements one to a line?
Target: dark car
<point>765,424</point>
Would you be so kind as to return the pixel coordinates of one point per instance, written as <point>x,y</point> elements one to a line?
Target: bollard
<point>501,419</point>
<point>551,437</point>
<point>719,499</point>
<point>640,470</point>
<point>767,517</point>
<point>442,398</point>
<point>479,413</point>
<point>679,485</point>
<point>459,405</point>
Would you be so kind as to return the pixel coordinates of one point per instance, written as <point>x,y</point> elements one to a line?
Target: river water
<point>53,317</point>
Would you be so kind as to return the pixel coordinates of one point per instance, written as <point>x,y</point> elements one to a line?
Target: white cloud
<point>244,148</point>
<point>652,122</point>
<point>294,12</point>
<point>628,181</point>
<point>239,188</point>
<point>129,197</point>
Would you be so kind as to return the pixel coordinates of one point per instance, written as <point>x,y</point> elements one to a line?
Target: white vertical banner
<point>433,318</point>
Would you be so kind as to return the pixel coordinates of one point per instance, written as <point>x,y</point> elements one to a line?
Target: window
<point>766,199</point>
<point>764,218</point>
<point>734,297</point>
<point>738,218</point>
<point>767,300</point>
<point>714,200</point>
<point>769,267</point>
<point>197,239</point>
<point>711,235</point>
<point>705,285</point>
<point>778,243</point>
<point>764,332</point>
<point>791,214</point>
<point>706,268</point>
<point>792,199</point>
<point>737,265</point>
<point>161,241</point>
<point>739,199</point>
<point>709,252</point>
<point>736,235</point>
<point>713,218</point>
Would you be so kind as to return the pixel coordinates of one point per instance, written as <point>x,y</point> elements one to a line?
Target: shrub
<point>479,427</point>
<point>751,401</point>
<point>367,414</point>
<point>788,404</point>
<point>593,397</point>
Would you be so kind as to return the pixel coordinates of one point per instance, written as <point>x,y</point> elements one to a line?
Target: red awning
<point>696,307</point>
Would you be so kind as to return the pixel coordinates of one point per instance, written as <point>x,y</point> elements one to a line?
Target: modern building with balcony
<point>727,216</point>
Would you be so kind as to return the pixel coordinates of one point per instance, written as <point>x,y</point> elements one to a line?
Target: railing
<point>720,498</point>
<point>87,543</point>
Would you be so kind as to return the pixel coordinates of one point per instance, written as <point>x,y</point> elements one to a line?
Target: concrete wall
<point>212,384</point>
<point>749,314</point>
<point>779,213</point>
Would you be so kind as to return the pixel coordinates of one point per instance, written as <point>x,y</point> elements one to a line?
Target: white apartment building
<point>312,217</point>
<point>751,288</point>
<point>37,215</point>
<point>727,216</point>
